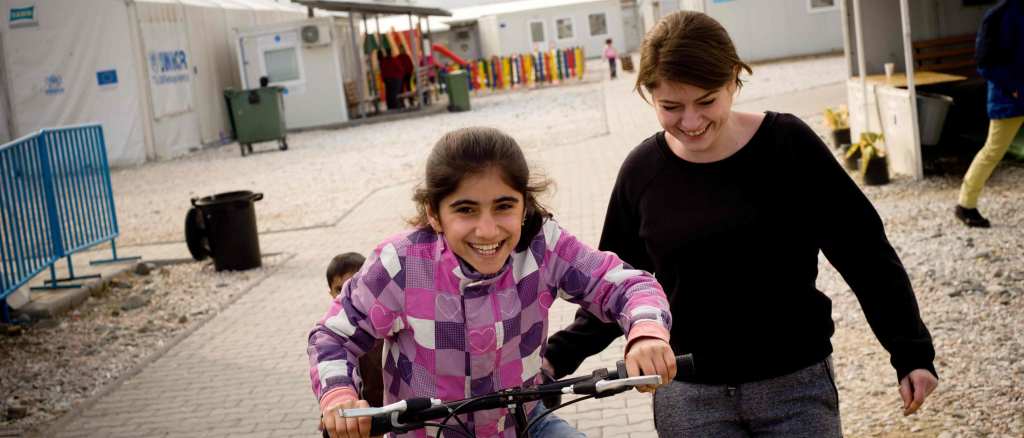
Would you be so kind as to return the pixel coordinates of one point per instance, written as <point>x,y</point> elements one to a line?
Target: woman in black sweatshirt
<point>730,211</point>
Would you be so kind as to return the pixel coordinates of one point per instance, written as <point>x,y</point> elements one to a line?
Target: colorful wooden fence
<point>527,70</point>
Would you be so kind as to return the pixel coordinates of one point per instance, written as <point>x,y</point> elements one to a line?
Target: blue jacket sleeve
<point>998,44</point>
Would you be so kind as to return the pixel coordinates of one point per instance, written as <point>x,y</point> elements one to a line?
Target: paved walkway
<point>244,373</point>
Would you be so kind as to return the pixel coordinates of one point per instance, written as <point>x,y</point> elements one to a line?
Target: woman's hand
<point>338,427</point>
<point>915,387</point>
<point>646,356</point>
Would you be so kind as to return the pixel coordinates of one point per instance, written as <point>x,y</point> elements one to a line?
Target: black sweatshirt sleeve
<point>587,335</point>
<point>621,232</point>
<point>851,235</point>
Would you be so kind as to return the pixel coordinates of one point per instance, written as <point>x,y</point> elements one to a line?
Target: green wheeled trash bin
<point>458,91</point>
<point>223,226</point>
<point>257,115</point>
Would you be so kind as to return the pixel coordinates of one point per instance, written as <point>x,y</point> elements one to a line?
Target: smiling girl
<point>730,210</point>
<point>462,299</point>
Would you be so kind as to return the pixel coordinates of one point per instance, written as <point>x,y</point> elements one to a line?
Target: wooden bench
<point>953,55</point>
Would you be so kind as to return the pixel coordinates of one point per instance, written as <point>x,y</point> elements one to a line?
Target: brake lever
<point>413,405</point>
<point>628,382</point>
<point>605,387</point>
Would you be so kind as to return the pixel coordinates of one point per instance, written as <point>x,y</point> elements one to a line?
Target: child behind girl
<point>342,268</point>
<point>462,299</point>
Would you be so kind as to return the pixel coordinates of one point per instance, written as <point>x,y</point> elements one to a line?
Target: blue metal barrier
<point>56,199</point>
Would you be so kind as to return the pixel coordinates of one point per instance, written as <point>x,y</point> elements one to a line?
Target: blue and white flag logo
<point>106,78</point>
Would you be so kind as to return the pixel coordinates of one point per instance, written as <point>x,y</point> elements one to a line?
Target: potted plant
<point>874,167</point>
<point>851,157</point>
<point>838,122</point>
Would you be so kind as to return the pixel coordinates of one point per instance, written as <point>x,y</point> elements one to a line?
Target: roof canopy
<point>471,13</point>
<point>373,8</point>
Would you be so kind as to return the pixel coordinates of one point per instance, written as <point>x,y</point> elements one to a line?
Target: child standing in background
<point>610,54</point>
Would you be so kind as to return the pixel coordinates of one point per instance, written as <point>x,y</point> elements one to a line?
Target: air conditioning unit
<point>314,35</point>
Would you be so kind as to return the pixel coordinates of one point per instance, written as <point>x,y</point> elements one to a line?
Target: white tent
<point>151,71</point>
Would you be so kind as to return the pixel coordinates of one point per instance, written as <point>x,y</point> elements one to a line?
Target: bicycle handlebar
<point>412,413</point>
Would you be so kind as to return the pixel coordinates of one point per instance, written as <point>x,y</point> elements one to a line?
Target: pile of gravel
<point>970,288</point>
<point>53,365</point>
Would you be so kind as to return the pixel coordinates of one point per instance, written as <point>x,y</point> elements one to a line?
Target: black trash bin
<point>223,226</point>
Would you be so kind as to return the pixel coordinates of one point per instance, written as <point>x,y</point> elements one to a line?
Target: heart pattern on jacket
<point>449,306</point>
<point>482,340</point>
<point>381,317</point>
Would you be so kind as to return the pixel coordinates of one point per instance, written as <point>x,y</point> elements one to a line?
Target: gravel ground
<point>970,287</point>
<point>326,172</point>
<point>786,76</point>
<point>58,363</point>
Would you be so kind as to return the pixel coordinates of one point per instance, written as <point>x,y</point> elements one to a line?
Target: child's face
<point>337,282</point>
<point>482,220</point>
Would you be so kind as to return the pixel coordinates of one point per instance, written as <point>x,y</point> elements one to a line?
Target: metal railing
<point>55,199</point>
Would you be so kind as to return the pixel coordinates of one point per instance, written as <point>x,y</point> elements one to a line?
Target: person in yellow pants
<point>1000,54</point>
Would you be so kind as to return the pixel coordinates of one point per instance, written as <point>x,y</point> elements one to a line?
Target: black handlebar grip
<point>380,425</point>
<point>417,404</point>
<point>684,367</point>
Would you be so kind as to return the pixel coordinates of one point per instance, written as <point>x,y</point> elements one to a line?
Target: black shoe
<point>971,217</point>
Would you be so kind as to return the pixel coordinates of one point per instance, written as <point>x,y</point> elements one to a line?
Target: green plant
<point>868,148</point>
<point>837,118</point>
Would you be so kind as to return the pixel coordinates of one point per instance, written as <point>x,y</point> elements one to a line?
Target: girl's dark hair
<point>691,48</point>
<point>342,264</point>
<point>470,151</point>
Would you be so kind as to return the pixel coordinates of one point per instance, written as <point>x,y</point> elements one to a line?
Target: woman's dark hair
<point>608,41</point>
<point>470,151</point>
<point>342,264</point>
<point>691,48</point>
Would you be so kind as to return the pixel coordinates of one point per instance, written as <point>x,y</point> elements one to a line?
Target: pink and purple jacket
<point>452,333</point>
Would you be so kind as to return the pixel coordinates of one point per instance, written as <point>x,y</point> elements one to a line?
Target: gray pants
<point>802,404</point>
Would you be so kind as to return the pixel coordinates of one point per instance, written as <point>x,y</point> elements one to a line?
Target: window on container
<point>537,31</point>
<point>821,5</point>
<point>282,64</point>
<point>563,28</point>
<point>598,24</point>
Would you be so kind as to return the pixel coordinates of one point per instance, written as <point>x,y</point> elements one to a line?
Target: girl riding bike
<point>462,300</point>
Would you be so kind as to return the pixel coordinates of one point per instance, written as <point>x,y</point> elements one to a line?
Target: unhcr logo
<point>168,67</point>
<point>21,17</point>
<point>54,85</point>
